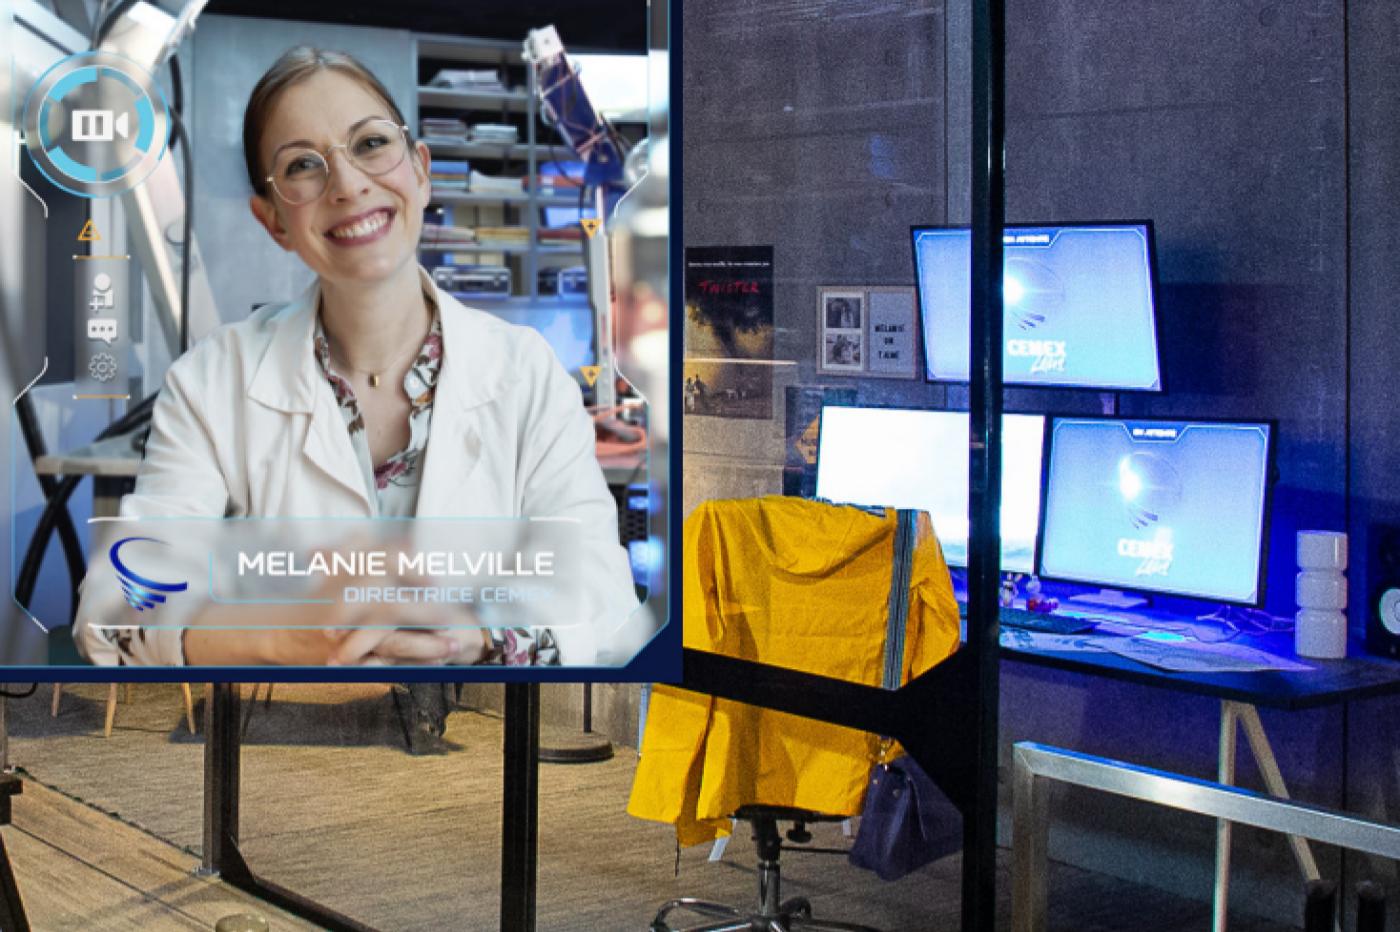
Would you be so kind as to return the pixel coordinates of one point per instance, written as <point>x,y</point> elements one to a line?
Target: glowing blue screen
<point>1162,506</point>
<point>566,325</point>
<point>1078,306</point>
<point>902,458</point>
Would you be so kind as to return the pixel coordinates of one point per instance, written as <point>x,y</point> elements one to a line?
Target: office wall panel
<point>1374,435</point>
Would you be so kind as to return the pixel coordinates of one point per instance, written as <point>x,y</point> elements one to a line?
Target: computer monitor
<point>555,217</point>
<point>1079,305</point>
<point>908,458</point>
<point>1176,507</point>
<point>567,323</point>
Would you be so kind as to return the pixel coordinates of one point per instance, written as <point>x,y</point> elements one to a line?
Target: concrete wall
<point>1259,136</point>
<point>1372,321</point>
<point>816,127</point>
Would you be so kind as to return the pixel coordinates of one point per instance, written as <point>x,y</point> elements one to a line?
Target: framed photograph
<point>843,311</point>
<point>867,330</point>
<point>844,351</point>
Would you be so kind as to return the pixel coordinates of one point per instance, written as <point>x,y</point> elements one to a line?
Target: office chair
<point>767,580</point>
<point>774,914</point>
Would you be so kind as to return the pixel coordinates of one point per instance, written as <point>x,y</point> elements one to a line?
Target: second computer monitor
<point>1176,507</point>
<point>566,323</point>
<point>906,458</point>
<point>1079,308</point>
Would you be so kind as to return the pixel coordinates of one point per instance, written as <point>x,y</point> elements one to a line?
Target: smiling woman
<point>325,407</point>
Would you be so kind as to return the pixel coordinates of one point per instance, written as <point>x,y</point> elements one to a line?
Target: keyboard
<point>1037,621</point>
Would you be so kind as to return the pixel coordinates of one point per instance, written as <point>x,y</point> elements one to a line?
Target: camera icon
<point>100,126</point>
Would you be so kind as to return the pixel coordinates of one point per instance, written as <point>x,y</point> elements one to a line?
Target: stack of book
<point>442,130</point>
<point>451,175</point>
<point>468,79</point>
<point>445,234</point>
<point>491,184</point>
<point>556,236</point>
<point>496,133</point>
<point>503,236</point>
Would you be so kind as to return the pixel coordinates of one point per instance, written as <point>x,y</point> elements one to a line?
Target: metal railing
<point>1035,767</point>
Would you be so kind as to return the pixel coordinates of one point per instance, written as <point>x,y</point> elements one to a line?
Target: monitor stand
<point>1110,598</point>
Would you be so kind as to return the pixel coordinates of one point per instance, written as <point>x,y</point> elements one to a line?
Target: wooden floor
<point>107,832</point>
<point>77,868</point>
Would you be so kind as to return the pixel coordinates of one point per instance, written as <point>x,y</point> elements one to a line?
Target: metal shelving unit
<point>516,209</point>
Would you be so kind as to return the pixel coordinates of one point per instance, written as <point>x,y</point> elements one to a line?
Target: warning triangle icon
<point>590,225</point>
<point>89,234</point>
<point>590,373</point>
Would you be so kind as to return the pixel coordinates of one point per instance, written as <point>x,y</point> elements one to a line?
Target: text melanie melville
<point>377,562</point>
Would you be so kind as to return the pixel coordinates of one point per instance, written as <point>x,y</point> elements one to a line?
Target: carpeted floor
<point>334,808</point>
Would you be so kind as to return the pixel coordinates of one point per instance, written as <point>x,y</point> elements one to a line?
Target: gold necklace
<point>375,377</point>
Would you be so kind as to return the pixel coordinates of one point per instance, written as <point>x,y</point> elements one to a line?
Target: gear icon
<point>103,367</point>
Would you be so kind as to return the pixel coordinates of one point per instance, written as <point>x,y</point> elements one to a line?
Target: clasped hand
<point>324,630</point>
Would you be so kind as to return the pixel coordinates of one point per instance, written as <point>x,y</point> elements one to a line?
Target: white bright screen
<point>902,458</point>
<point>616,85</point>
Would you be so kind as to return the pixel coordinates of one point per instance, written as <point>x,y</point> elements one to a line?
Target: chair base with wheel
<point>774,914</point>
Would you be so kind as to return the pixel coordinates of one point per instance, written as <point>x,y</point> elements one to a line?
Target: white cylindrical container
<point>1321,634</point>
<point>1322,550</point>
<point>1321,589</point>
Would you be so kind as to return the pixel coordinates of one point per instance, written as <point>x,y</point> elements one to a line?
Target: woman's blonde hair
<point>294,65</point>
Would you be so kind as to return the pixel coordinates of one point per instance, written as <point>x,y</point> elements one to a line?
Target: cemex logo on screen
<point>1049,355</point>
<point>141,593</point>
<point>1154,556</point>
<point>1150,487</point>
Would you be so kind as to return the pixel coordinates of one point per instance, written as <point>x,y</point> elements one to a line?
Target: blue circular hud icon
<point>96,124</point>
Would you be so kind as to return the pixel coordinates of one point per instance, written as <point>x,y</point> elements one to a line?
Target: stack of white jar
<point>1321,629</point>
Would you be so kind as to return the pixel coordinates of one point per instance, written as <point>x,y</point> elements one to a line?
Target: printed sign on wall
<point>729,331</point>
<point>868,331</point>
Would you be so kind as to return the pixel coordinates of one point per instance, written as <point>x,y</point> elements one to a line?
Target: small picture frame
<point>867,330</point>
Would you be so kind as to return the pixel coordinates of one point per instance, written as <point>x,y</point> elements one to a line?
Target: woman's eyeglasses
<point>300,175</point>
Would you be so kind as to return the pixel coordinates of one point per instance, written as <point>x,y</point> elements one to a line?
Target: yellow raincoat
<point>797,584</point>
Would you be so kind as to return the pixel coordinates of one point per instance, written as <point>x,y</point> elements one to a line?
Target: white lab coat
<point>247,425</point>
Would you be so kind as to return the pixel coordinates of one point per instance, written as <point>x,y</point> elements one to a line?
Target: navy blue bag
<point>906,822</point>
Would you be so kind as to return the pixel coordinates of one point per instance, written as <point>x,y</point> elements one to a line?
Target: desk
<point>1240,694</point>
<point>112,463</point>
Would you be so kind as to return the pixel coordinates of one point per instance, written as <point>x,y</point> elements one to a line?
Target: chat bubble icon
<point>102,328</point>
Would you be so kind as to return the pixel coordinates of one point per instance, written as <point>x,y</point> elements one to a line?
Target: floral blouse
<point>394,483</point>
